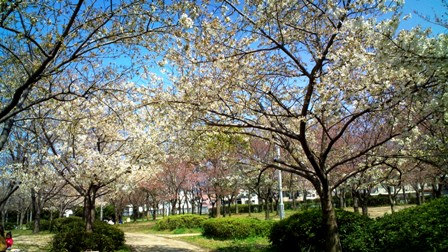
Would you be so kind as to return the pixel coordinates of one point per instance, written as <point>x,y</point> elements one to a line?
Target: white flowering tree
<point>96,141</point>
<point>42,45</point>
<point>307,73</point>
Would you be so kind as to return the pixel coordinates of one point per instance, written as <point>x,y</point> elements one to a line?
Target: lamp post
<point>280,187</point>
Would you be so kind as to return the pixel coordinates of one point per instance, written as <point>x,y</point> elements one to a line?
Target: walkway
<point>158,243</point>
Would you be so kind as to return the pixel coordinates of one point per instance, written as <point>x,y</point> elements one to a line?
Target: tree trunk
<point>437,189</point>
<point>363,197</point>
<point>135,212</point>
<point>115,212</point>
<point>249,203</point>
<point>294,200</point>
<point>34,208</point>
<point>365,210</point>
<point>266,209</point>
<point>419,193</point>
<point>218,207</point>
<point>392,202</point>
<point>89,208</point>
<point>224,208</point>
<point>329,223</point>
<point>355,201</point>
<point>193,206</point>
<point>405,199</point>
<point>342,198</point>
<point>37,215</point>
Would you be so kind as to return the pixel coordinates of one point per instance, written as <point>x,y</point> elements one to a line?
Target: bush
<point>73,237</point>
<point>378,200</point>
<point>236,228</point>
<point>420,228</point>
<point>9,226</point>
<point>181,221</point>
<point>60,223</point>
<point>45,225</point>
<point>303,231</point>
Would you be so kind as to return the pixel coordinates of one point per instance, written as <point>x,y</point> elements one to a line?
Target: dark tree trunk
<point>89,207</point>
<point>135,212</point>
<point>355,197</point>
<point>266,209</point>
<point>173,206</point>
<point>115,213</point>
<point>405,198</point>
<point>361,199</point>
<point>329,223</point>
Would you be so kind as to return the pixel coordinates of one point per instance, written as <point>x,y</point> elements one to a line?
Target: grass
<point>252,244</point>
<point>25,240</point>
<point>140,226</point>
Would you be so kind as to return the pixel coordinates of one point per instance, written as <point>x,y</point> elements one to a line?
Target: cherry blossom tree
<point>155,196</point>
<point>174,176</point>
<point>96,141</point>
<point>307,73</point>
<point>48,48</point>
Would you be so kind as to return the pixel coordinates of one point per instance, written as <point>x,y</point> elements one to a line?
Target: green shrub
<point>236,228</point>
<point>45,225</point>
<point>378,200</point>
<point>181,221</point>
<point>73,237</point>
<point>60,223</point>
<point>9,225</point>
<point>303,231</point>
<point>420,228</point>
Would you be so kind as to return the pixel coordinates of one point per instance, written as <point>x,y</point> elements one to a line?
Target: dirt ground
<point>374,212</point>
<point>157,243</point>
<point>137,241</point>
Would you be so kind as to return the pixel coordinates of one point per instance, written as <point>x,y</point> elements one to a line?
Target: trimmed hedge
<point>419,228</point>
<point>236,228</point>
<point>71,236</point>
<point>181,221</point>
<point>303,231</point>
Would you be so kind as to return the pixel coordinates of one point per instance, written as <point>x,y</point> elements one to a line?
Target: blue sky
<point>427,8</point>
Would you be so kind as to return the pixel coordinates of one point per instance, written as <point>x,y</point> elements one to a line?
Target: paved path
<point>158,243</point>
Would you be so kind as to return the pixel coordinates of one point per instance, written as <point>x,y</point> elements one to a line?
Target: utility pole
<point>280,188</point>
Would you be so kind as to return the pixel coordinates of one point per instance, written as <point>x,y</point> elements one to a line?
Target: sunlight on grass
<point>251,244</point>
<point>145,227</point>
<point>186,230</point>
<point>25,240</point>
